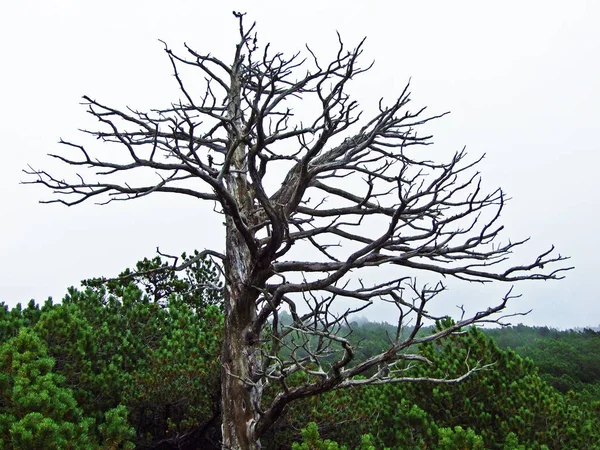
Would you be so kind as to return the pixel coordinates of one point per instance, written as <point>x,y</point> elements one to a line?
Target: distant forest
<point>135,364</point>
<point>566,360</point>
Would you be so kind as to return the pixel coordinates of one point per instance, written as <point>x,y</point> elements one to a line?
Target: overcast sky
<point>522,80</point>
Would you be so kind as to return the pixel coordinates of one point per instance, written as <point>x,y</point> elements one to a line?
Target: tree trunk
<point>239,353</point>
<point>240,397</point>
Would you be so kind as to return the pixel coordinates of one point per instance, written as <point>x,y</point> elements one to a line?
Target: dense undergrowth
<point>134,364</point>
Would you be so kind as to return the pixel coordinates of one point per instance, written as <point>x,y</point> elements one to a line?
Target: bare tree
<point>294,187</point>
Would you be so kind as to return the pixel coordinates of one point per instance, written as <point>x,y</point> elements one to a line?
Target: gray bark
<point>240,350</point>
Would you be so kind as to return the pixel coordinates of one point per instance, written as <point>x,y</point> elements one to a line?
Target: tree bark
<point>240,349</point>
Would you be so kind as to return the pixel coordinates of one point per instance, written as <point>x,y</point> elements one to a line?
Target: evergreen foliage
<point>505,406</point>
<point>111,362</point>
<point>39,411</point>
<point>567,360</point>
<point>134,363</point>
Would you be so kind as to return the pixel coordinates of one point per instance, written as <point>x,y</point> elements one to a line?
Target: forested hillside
<point>567,360</point>
<point>135,364</point>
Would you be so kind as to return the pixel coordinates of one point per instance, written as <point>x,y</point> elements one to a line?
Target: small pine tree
<point>38,411</point>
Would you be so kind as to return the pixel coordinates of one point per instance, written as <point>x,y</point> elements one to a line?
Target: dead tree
<point>301,242</point>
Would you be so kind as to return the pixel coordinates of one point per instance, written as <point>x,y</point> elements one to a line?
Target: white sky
<point>522,80</point>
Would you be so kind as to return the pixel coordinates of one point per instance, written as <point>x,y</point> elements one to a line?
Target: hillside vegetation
<point>135,364</point>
